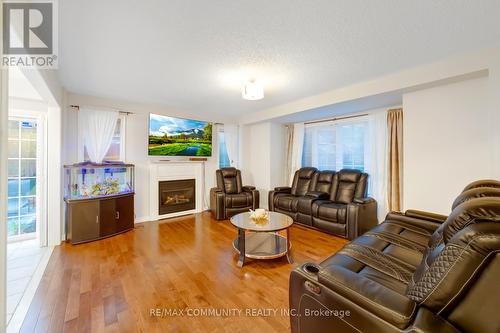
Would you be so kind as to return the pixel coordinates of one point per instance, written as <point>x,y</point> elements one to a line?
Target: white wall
<point>3,191</point>
<point>136,142</point>
<point>50,90</point>
<point>262,162</point>
<point>447,143</point>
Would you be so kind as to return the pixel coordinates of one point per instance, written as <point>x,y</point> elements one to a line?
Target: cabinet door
<point>107,217</point>
<point>124,213</point>
<point>84,221</point>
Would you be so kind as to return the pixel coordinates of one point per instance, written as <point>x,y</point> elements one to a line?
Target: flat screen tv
<point>169,136</point>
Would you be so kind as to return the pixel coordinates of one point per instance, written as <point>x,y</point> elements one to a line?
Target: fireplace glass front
<point>176,196</point>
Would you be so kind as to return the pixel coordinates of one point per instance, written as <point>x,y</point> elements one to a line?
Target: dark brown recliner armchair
<point>230,197</point>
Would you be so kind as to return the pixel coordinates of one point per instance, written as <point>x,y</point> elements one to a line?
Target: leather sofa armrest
<point>283,189</point>
<point>363,200</point>
<point>433,217</point>
<point>361,216</point>
<point>217,203</point>
<point>383,302</point>
<point>248,188</point>
<point>318,195</point>
<point>255,195</point>
<point>277,191</point>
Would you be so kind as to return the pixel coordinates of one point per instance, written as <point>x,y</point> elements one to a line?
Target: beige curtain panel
<point>289,149</point>
<point>395,159</point>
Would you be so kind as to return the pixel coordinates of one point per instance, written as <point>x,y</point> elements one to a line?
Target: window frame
<point>39,209</point>
<point>339,153</point>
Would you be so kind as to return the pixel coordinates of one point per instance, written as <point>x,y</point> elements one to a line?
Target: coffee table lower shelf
<point>263,245</point>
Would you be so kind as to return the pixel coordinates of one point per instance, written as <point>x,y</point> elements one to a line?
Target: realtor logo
<point>29,34</point>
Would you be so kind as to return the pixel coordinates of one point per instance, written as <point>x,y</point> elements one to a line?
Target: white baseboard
<point>143,219</point>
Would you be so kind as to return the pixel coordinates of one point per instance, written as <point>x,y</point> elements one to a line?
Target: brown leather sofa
<point>230,197</point>
<point>331,201</point>
<point>415,272</point>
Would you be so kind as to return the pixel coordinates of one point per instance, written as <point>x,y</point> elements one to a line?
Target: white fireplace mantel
<point>175,170</point>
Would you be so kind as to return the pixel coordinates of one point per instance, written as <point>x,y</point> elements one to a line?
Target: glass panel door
<point>22,178</point>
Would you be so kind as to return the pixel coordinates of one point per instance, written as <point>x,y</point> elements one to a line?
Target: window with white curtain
<point>223,157</point>
<point>336,145</point>
<point>116,151</point>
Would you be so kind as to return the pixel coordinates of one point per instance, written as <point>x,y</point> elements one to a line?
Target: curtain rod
<point>122,112</point>
<point>333,119</point>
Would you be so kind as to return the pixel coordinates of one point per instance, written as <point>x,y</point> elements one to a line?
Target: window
<point>22,177</point>
<point>335,146</point>
<point>116,151</point>
<point>223,157</point>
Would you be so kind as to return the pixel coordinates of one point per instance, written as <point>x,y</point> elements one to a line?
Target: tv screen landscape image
<point>169,136</point>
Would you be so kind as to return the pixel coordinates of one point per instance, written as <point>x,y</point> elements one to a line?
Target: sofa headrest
<point>306,173</point>
<point>349,175</point>
<point>482,183</point>
<point>229,179</point>
<point>474,193</point>
<point>473,211</point>
<point>229,172</point>
<point>325,176</point>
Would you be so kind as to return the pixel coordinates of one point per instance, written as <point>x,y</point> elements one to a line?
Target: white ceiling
<point>193,56</point>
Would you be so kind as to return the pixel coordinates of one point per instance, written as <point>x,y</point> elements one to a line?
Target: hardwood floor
<point>112,285</point>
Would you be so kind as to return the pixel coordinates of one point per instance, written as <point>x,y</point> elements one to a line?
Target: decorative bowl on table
<point>259,216</point>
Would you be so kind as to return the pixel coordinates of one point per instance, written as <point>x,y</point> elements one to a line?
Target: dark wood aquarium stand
<point>97,218</point>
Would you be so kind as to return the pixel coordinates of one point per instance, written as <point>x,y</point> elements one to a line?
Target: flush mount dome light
<point>252,91</point>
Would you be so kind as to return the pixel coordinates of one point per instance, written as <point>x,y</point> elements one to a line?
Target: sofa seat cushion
<point>330,211</point>
<point>240,200</point>
<point>286,202</point>
<point>305,203</point>
<point>380,261</point>
<point>397,233</point>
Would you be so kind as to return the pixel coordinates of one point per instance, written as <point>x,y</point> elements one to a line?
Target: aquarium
<point>87,180</point>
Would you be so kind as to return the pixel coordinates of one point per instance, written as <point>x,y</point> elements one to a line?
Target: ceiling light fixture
<point>252,91</point>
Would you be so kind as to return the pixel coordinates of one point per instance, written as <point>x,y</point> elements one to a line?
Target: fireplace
<point>176,196</point>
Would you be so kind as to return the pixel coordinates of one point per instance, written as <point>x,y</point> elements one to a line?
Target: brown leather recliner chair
<point>415,272</point>
<point>230,197</point>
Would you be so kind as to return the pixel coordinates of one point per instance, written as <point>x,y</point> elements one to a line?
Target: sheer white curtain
<point>297,148</point>
<point>231,138</point>
<point>376,160</point>
<point>97,127</point>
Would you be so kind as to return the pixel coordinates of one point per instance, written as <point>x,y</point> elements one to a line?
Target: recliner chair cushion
<point>243,199</point>
<point>400,233</point>
<point>349,184</point>
<point>322,181</point>
<point>287,202</point>
<point>330,211</point>
<point>231,180</point>
<point>387,264</point>
<point>302,181</point>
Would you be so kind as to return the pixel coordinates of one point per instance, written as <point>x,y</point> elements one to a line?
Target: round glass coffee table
<point>262,241</point>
